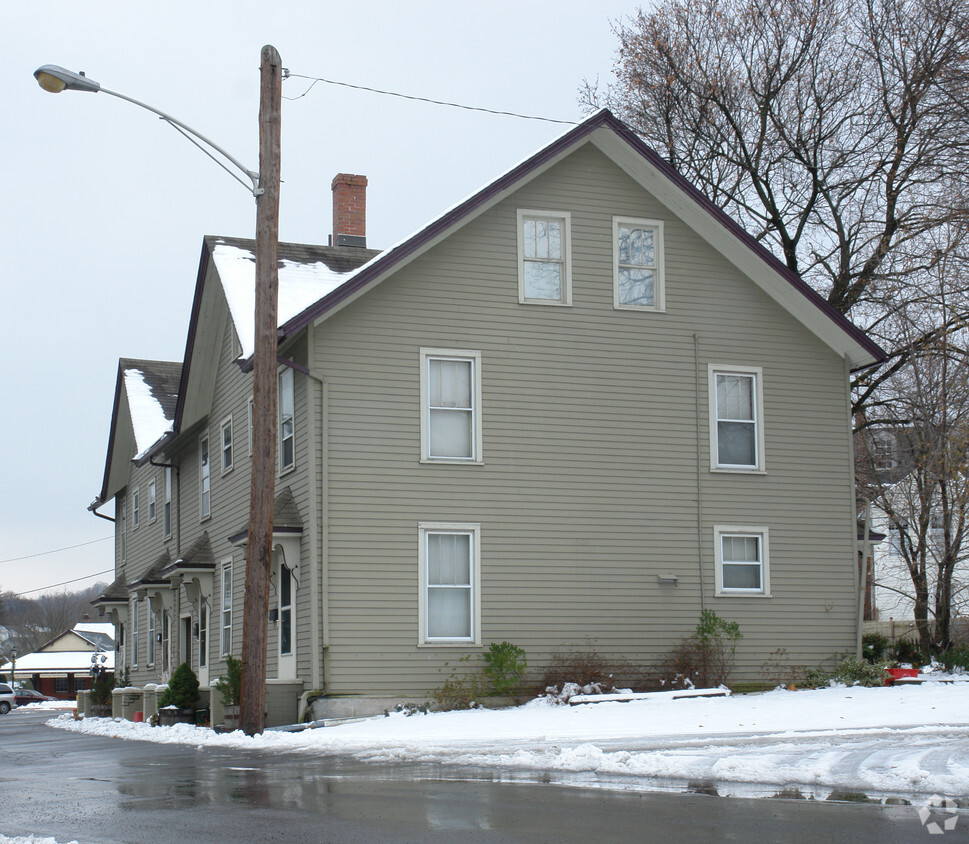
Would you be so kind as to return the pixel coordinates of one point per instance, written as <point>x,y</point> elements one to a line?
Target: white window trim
<point>566,218</point>
<point>226,423</point>
<point>659,278</point>
<point>133,633</point>
<point>152,502</point>
<point>474,530</point>
<point>477,457</point>
<point>205,514</point>
<point>123,550</point>
<point>150,658</point>
<point>757,372</point>
<point>763,534</point>
<point>135,508</point>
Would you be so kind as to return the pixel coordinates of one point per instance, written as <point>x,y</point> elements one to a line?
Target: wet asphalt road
<point>92,789</point>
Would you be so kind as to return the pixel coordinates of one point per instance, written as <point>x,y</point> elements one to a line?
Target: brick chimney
<point>349,210</point>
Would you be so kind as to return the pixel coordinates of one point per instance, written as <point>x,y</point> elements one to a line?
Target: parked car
<point>7,699</point>
<point>25,696</point>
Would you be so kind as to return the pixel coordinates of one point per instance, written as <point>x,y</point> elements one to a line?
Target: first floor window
<point>134,633</point>
<point>151,636</point>
<point>285,610</point>
<point>450,583</point>
<point>203,634</point>
<point>544,266</point>
<point>742,561</point>
<point>226,608</point>
<point>736,410</point>
<point>638,266</point>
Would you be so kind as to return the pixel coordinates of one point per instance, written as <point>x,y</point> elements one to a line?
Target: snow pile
<point>47,704</point>
<point>909,740</point>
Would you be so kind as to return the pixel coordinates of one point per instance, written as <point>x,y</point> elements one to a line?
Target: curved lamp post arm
<point>55,79</point>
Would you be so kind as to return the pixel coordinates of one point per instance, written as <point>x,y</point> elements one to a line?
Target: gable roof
<point>145,397</point>
<point>643,164</point>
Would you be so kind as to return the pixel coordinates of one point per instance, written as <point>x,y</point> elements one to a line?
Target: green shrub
<point>907,650</point>
<point>875,647</point>
<point>122,679</point>
<point>505,667</point>
<point>716,639</point>
<point>955,657</point>
<point>229,687</point>
<point>101,689</point>
<point>850,671</point>
<point>183,689</point>
<point>462,688</point>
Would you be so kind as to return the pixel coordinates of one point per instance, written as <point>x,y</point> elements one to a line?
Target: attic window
<point>544,258</point>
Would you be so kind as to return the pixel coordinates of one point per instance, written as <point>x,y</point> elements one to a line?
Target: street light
<point>54,79</point>
<point>265,188</point>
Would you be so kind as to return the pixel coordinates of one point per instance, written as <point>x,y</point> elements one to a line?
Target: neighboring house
<point>571,412</point>
<point>62,667</point>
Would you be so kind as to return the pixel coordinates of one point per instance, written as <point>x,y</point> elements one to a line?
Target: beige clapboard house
<point>569,413</point>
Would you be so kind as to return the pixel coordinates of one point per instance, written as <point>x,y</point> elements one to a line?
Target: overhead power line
<point>56,550</point>
<point>63,583</point>
<point>314,79</point>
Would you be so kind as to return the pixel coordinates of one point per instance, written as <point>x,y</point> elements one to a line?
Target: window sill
<point>741,594</point>
<point>649,309</point>
<point>549,302</point>
<point>452,461</point>
<point>737,470</point>
<point>451,643</point>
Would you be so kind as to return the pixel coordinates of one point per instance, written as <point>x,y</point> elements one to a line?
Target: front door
<point>286,616</point>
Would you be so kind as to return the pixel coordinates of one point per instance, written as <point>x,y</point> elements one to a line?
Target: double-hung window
<point>151,501</point>
<point>205,479</point>
<point>736,419</point>
<point>226,608</point>
<point>450,583</point>
<point>167,505</point>
<point>133,638</point>
<point>742,561</point>
<point>123,529</point>
<point>287,431</point>
<point>544,258</point>
<point>226,445</point>
<point>450,406</point>
<point>135,508</point>
<point>638,264</point>
<point>151,635</point>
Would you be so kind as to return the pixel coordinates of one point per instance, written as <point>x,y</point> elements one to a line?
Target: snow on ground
<point>909,741</point>
<point>48,704</point>
<point>30,839</point>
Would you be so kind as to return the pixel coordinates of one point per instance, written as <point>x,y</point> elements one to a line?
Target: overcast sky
<point>105,206</point>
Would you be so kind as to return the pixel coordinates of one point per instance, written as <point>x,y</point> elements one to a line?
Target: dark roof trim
<point>603,119</point>
<point>243,535</point>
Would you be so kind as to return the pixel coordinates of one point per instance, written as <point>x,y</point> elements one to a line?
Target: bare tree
<point>837,133</point>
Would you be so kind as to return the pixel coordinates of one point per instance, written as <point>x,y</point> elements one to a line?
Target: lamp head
<point>55,79</point>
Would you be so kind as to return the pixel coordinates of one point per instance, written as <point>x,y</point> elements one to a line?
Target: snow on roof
<point>147,414</point>
<point>300,285</point>
<point>44,662</point>
<point>106,628</point>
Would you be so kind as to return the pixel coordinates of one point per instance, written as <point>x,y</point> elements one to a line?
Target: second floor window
<point>205,479</point>
<point>287,431</point>
<point>135,508</point>
<point>151,501</point>
<point>638,266</point>
<point>123,529</point>
<point>736,428</point>
<point>227,445</point>
<point>167,506</point>
<point>450,401</point>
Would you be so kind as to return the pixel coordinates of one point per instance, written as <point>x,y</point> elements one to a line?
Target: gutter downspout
<point>699,471</point>
<point>319,517</point>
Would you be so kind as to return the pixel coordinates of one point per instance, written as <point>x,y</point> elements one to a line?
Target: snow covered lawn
<point>909,741</point>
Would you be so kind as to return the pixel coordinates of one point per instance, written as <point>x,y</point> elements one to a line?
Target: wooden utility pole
<point>252,703</point>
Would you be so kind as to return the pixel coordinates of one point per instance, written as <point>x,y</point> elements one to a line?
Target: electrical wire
<point>62,583</point>
<point>56,550</point>
<point>315,79</point>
